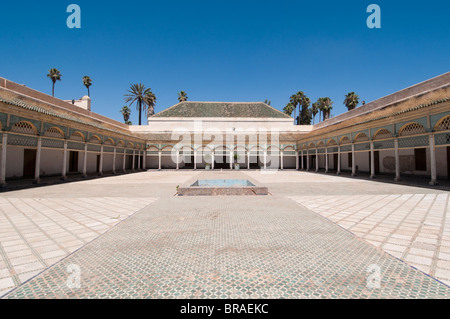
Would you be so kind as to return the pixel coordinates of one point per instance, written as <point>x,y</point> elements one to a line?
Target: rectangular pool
<point>218,187</point>
<point>223,182</point>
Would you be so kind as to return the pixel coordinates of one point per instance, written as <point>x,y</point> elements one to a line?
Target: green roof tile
<point>222,109</point>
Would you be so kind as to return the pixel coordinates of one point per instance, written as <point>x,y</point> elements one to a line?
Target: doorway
<point>29,163</point>
<point>73,162</point>
<point>420,158</point>
<point>376,156</point>
<point>98,164</point>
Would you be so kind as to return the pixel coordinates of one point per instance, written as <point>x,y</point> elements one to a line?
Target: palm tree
<point>267,102</point>
<point>294,99</point>
<point>351,100</point>
<point>54,75</point>
<point>151,101</point>
<point>87,83</point>
<point>288,109</point>
<point>315,110</point>
<point>304,102</point>
<point>126,111</point>
<point>325,104</point>
<point>137,93</point>
<point>182,96</point>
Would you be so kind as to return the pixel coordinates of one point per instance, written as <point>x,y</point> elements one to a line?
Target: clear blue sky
<point>230,50</point>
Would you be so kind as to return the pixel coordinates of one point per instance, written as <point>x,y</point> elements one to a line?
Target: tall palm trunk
<point>140,111</point>
<point>295,113</point>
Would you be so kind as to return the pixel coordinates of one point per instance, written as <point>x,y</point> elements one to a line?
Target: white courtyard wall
<point>52,162</point>
<point>14,161</point>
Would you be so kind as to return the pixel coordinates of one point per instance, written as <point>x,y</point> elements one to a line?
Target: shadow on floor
<point>13,185</point>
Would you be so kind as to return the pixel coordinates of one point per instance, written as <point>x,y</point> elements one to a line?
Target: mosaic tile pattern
<point>230,247</point>
<point>38,232</point>
<point>412,227</point>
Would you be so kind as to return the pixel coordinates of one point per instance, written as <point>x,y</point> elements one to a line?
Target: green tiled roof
<point>222,109</point>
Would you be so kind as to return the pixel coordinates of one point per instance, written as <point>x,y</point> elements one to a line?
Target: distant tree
<point>305,112</point>
<point>325,105</point>
<point>182,96</point>
<point>314,110</point>
<point>138,93</point>
<point>129,123</point>
<point>294,102</point>
<point>351,100</point>
<point>87,83</point>
<point>126,111</point>
<point>288,109</point>
<point>151,101</point>
<point>303,102</point>
<point>54,75</point>
<point>267,102</point>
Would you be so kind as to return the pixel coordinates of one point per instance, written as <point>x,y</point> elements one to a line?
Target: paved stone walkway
<point>277,246</point>
<point>412,227</point>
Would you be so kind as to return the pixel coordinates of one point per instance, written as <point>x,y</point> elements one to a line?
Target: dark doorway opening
<point>29,163</point>
<point>73,162</point>
<point>376,156</point>
<point>98,164</point>
<point>420,158</point>
<point>129,162</point>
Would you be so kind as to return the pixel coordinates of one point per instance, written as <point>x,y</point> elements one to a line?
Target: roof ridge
<point>276,109</point>
<point>167,108</point>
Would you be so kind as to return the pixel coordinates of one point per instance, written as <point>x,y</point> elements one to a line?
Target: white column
<point>178,159</point>
<point>139,160</point>
<point>64,166</point>
<point>159,160</point>
<point>213,158</point>
<point>114,161</point>
<point>353,160</point>
<point>281,159</point>
<point>84,173</point>
<point>338,169</point>
<point>307,160</point>
<point>144,159</point>
<point>397,160</point>
<point>433,160</point>
<point>248,159</point>
<point>3,167</point>
<point>265,159</point>
<point>100,168</point>
<point>303,165</point>
<point>297,162</point>
<point>195,160</point>
<point>38,161</point>
<point>317,161</point>
<point>326,160</point>
<point>231,160</point>
<point>372,160</point>
<point>124,160</point>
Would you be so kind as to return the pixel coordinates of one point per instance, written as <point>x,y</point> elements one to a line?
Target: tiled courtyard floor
<point>315,236</point>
